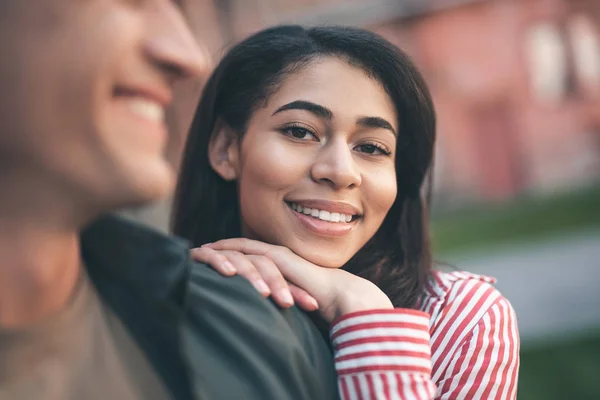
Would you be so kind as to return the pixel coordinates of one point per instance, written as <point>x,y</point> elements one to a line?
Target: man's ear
<point>224,151</point>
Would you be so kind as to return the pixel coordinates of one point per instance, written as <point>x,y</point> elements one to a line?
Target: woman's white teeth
<point>147,109</point>
<point>322,214</point>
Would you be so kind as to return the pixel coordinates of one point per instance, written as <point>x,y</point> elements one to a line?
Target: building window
<point>546,56</point>
<point>585,43</point>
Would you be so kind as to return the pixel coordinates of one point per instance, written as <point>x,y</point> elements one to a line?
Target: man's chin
<point>151,186</point>
<point>155,189</point>
<point>150,205</point>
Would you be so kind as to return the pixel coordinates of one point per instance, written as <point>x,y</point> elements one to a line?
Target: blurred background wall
<point>516,84</point>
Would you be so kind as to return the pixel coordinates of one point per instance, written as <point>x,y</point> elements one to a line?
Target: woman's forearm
<point>383,354</point>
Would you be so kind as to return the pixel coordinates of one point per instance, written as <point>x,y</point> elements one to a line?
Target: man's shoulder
<point>209,292</point>
<point>235,343</point>
<point>232,329</point>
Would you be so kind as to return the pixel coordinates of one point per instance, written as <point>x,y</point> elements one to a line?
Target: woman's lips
<point>324,226</point>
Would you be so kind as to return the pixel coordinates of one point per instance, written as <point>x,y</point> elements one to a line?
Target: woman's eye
<point>372,149</point>
<point>369,148</point>
<point>298,132</point>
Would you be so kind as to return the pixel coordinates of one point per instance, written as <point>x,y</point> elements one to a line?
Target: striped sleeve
<point>383,354</point>
<point>485,364</point>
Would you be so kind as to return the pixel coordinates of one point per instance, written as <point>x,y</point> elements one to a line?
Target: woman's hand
<point>262,273</point>
<point>336,292</point>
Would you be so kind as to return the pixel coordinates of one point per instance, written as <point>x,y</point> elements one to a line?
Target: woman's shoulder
<point>462,295</point>
<point>449,285</point>
<point>443,283</point>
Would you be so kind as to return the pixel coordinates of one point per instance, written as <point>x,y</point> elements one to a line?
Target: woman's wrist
<point>363,299</point>
<point>358,305</point>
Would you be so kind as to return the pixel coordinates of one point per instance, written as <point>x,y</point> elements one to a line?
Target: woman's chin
<point>320,259</point>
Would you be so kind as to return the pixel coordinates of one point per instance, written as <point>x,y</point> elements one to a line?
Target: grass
<point>523,220</point>
<point>563,371</point>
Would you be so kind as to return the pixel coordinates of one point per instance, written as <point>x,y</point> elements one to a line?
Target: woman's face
<point>315,168</point>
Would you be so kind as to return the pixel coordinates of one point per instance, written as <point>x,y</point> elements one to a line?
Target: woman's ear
<point>224,151</point>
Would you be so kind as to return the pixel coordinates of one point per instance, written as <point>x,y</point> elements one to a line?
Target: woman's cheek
<point>380,189</point>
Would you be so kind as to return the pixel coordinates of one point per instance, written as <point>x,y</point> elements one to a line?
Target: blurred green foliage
<point>527,219</point>
<point>561,371</point>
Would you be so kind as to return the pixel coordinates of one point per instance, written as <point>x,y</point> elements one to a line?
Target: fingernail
<point>262,287</point>
<point>313,303</point>
<point>285,296</point>
<point>229,268</point>
<point>206,244</point>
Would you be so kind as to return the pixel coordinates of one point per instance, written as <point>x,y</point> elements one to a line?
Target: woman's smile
<point>325,218</point>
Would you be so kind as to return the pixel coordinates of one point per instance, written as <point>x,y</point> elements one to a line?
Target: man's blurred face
<point>85,84</point>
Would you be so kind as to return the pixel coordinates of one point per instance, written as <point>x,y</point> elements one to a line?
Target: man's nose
<point>171,44</point>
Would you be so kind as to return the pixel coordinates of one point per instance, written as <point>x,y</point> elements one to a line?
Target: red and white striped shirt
<point>462,344</point>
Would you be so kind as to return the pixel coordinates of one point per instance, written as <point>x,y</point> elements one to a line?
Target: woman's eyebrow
<point>325,113</point>
<point>318,110</point>
<point>375,122</point>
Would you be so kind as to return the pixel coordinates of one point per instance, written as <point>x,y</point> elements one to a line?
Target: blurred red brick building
<point>516,82</point>
<point>516,85</point>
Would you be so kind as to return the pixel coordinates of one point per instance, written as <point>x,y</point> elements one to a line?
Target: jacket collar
<point>126,252</point>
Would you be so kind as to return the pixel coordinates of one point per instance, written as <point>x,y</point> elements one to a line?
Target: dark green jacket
<point>208,337</point>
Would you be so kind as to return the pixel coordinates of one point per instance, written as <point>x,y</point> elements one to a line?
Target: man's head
<point>85,84</point>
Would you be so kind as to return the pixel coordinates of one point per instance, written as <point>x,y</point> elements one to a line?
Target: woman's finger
<point>295,269</point>
<point>216,260</point>
<point>243,245</point>
<point>248,270</point>
<point>274,279</point>
<point>303,299</point>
